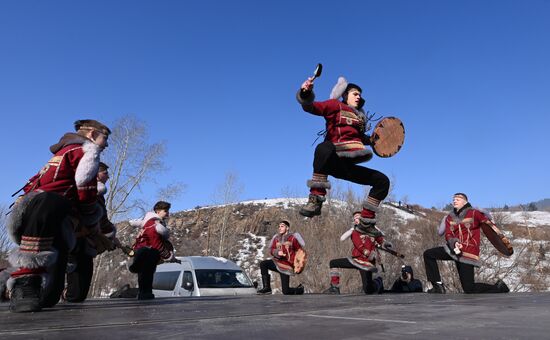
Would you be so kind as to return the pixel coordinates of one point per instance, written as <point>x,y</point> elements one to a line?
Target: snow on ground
<point>400,213</point>
<point>285,203</point>
<point>273,202</point>
<point>251,252</point>
<point>278,202</point>
<point>528,218</point>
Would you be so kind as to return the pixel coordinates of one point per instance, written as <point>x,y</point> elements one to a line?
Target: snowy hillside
<point>528,218</point>
<point>241,232</point>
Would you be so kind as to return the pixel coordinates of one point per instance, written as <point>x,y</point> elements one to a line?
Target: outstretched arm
<point>305,95</point>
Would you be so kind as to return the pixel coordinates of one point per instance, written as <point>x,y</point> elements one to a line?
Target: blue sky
<point>216,80</point>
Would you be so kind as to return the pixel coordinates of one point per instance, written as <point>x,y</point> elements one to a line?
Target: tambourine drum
<point>300,260</point>
<point>388,137</point>
<point>497,238</point>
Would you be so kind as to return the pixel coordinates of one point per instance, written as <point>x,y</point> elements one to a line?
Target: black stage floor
<point>310,316</point>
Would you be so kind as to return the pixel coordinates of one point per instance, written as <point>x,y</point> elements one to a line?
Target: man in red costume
<point>283,248</point>
<point>462,233</point>
<point>363,258</point>
<point>150,247</point>
<point>59,200</point>
<point>343,148</point>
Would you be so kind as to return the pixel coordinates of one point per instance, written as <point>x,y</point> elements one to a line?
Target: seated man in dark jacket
<point>406,283</point>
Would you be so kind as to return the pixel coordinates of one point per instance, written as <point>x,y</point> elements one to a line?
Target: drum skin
<point>388,137</point>
<point>300,260</point>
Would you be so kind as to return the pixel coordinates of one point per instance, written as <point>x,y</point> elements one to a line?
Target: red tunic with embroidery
<point>288,244</point>
<point>345,128</point>
<point>364,250</point>
<point>59,175</point>
<point>465,228</point>
<point>154,235</point>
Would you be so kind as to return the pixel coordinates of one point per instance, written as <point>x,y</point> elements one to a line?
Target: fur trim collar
<point>284,238</point>
<point>459,215</point>
<point>88,166</point>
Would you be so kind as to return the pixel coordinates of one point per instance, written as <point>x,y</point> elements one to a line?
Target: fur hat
<point>406,269</point>
<point>91,124</point>
<point>103,166</point>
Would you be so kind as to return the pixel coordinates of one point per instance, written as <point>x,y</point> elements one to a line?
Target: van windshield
<point>222,278</point>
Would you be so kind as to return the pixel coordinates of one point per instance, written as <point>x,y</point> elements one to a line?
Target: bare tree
<point>227,193</point>
<point>171,191</point>
<point>133,161</point>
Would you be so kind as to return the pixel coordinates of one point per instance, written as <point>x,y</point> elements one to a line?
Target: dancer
<point>283,246</point>
<point>151,246</point>
<point>363,258</point>
<point>462,233</point>
<point>61,198</point>
<point>343,148</point>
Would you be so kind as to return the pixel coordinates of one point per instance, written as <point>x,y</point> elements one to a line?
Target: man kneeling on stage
<point>462,233</point>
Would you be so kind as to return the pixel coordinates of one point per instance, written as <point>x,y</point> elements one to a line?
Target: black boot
<point>299,290</point>
<point>502,287</point>
<point>25,295</point>
<point>313,206</point>
<point>333,290</point>
<point>145,296</point>
<point>438,288</point>
<point>266,282</point>
<point>369,228</point>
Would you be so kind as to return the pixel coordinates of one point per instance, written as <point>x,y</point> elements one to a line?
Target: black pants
<point>327,162</point>
<point>45,214</point>
<point>44,218</point>
<point>465,272</point>
<point>80,279</point>
<point>267,265</point>
<point>145,265</point>
<point>369,286</point>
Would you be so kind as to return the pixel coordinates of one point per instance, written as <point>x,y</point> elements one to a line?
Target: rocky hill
<point>241,231</point>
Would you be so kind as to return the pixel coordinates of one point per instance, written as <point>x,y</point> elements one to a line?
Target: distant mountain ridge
<point>543,204</point>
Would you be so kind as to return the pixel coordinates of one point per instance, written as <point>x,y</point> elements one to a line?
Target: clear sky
<point>217,80</point>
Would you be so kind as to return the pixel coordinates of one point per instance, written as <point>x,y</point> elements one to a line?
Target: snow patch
<point>528,218</point>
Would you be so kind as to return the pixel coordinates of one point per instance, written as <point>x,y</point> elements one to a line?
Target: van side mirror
<point>188,285</point>
<point>187,281</point>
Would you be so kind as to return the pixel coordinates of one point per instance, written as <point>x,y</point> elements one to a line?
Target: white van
<point>201,276</point>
